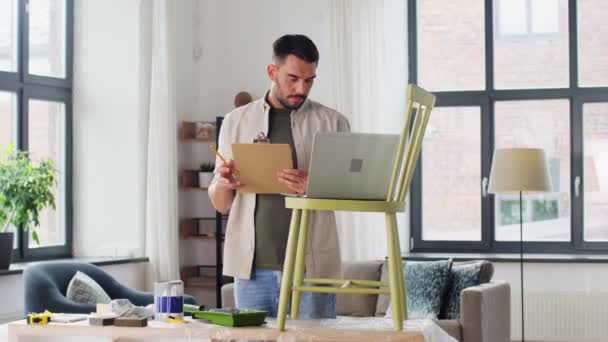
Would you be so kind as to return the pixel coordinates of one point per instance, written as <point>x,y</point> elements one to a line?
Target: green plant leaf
<point>207,167</point>
<point>35,237</point>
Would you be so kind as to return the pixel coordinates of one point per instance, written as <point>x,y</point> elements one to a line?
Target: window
<point>451,169</point>
<point>530,44</point>
<point>521,18</point>
<point>8,35</point>
<point>47,37</point>
<point>447,26</point>
<point>36,108</point>
<point>46,132</point>
<point>541,81</point>
<point>8,113</point>
<point>540,124</point>
<point>592,43</point>
<point>595,167</point>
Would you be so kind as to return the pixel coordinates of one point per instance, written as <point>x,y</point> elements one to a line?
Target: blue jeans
<point>261,292</point>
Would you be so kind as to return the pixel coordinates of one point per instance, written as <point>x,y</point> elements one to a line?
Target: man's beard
<point>286,104</point>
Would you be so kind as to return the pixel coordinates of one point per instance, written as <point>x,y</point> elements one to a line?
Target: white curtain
<point>161,187</point>
<point>369,64</point>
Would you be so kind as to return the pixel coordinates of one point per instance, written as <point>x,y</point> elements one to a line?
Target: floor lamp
<point>518,171</point>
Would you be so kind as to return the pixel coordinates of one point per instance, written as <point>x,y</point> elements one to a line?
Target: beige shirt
<point>241,126</point>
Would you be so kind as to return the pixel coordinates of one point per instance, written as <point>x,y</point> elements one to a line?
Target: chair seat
<point>344,205</point>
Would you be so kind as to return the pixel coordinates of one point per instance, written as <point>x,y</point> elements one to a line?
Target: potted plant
<point>25,190</point>
<point>205,174</point>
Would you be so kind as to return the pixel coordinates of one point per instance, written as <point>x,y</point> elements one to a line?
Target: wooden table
<point>353,329</point>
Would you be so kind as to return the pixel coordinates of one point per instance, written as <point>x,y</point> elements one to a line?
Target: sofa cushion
<point>463,275</point>
<point>358,305</point>
<point>451,326</point>
<point>426,284</point>
<point>83,289</point>
<point>487,271</point>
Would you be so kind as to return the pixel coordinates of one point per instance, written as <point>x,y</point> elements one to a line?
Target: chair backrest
<point>410,142</point>
<point>59,273</point>
<point>45,284</point>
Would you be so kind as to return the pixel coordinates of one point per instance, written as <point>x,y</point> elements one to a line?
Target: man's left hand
<point>296,180</point>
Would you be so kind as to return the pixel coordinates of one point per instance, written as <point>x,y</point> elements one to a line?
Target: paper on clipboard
<point>258,164</point>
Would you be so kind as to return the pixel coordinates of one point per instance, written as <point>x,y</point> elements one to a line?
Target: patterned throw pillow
<point>83,289</point>
<point>426,283</point>
<point>463,275</point>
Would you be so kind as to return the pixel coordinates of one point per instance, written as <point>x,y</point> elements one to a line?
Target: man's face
<point>292,79</point>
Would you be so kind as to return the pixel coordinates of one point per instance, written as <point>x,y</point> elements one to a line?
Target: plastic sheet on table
<point>340,329</point>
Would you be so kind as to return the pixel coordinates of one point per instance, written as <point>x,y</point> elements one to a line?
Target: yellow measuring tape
<point>39,319</point>
<point>173,319</point>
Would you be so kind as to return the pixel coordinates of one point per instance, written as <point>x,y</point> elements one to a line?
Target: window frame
<point>44,88</point>
<point>486,99</point>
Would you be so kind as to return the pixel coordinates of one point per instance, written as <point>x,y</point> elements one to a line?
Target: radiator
<point>561,317</point>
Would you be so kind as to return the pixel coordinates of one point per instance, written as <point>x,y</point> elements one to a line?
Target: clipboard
<point>258,164</point>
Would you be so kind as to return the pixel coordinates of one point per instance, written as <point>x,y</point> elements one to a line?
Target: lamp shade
<point>519,169</point>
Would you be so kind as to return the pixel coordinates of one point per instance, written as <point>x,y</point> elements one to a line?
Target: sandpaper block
<point>130,322</point>
<point>101,320</point>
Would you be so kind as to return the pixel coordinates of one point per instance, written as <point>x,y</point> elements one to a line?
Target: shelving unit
<point>204,229</point>
<point>188,180</point>
<point>189,228</point>
<point>188,132</point>
<point>199,276</point>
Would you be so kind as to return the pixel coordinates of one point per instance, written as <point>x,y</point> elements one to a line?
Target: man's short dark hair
<point>295,44</point>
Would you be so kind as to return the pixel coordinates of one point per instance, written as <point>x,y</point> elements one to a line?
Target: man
<point>258,225</point>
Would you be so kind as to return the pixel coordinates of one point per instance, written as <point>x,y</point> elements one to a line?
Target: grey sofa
<point>484,309</point>
<point>46,284</point>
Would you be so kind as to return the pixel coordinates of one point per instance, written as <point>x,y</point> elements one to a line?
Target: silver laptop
<point>351,165</point>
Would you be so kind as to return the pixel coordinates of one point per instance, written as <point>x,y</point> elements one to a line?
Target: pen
<point>222,158</point>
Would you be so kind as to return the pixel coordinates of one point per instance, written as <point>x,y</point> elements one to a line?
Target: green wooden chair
<point>405,163</point>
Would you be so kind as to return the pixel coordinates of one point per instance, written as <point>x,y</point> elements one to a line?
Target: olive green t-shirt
<point>271,217</point>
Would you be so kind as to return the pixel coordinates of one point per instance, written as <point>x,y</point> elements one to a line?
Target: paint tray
<point>232,317</point>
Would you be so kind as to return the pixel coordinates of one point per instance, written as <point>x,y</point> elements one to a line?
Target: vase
<point>204,179</point>
<point>6,250</point>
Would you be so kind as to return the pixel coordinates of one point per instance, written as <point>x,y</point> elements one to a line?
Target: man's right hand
<point>226,174</point>
<point>222,191</point>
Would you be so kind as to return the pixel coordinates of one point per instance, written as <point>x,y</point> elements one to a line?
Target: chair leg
<point>286,281</point>
<point>393,268</point>
<point>296,295</point>
<point>402,293</point>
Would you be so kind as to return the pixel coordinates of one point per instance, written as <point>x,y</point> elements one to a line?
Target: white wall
<point>109,129</point>
<point>12,291</point>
